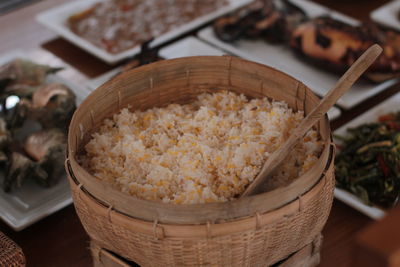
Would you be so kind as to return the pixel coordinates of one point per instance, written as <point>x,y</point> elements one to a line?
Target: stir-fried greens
<point>368,164</point>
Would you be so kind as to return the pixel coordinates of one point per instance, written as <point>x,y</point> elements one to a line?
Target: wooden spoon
<point>345,82</point>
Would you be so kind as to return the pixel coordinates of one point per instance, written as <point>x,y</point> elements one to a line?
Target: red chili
<point>126,7</point>
<point>393,125</point>
<point>387,117</point>
<point>382,165</point>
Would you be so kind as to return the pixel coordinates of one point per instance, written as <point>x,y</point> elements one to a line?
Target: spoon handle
<point>344,83</point>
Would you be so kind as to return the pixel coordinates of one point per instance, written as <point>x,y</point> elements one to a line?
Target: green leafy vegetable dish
<point>368,162</point>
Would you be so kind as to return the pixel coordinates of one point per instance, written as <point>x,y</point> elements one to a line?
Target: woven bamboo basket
<point>10,253</point>
<point>253,231</point>
<point>308,256</point>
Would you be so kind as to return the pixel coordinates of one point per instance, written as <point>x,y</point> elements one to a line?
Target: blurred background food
<point>330,43</point>
<point>368,162</point>
<point>34,118</point>
<point>118,25</point>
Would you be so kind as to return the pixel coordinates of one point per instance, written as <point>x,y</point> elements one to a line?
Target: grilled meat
<point>330,43</point>
<point>269,20</point>
<point>337,45</point>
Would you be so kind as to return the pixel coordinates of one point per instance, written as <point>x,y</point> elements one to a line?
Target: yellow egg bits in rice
<point>205,151</point>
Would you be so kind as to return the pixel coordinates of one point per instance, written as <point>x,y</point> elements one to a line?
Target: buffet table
<point>59,239</point>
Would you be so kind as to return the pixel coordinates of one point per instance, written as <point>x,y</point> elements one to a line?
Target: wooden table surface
<point>59,240</point>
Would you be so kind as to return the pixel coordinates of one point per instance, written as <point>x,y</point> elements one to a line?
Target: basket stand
<point>308,256</point>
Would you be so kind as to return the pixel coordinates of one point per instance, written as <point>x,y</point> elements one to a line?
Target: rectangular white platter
<point>372,115</point>
<point>388,15</point>
<point>31,202</point>
<point>282,58</point>
<point>55,19</point>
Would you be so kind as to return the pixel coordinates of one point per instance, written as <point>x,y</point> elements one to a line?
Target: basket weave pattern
<point>256,231</point>
<point>10,253</point>
<point>259,245</point>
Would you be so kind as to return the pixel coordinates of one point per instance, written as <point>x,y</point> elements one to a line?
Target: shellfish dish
<point>34,117</point>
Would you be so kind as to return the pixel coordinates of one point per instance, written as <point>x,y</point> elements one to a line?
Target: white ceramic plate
<point>55,19</point>
<point>30,203</point>
<point>388,15</point>
<point>372,115</point>
<point>189,46</point>
<point>334,113</point>
<point>282,58</point>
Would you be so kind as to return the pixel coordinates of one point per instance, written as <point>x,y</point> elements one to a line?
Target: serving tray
<point>30,203</point>
<point>282,58</point>
<point>55,19</point>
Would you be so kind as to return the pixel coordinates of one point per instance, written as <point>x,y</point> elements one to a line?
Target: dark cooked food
<point>147,55</point>
<point>47,148</point>
<point>324,41</point>
<point>368,164</point>
<point>21,72</point>
<point>5,139</point>
<point>26,153</point>
<point>117,25</point>
<point>20,167</point>
<point>53,105</point>
<point>261,19</point>
<point>337,45</point>
<point>398,14</point>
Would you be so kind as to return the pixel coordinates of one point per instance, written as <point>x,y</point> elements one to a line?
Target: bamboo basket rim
<point>191,213</point>
<point>162,230</point>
